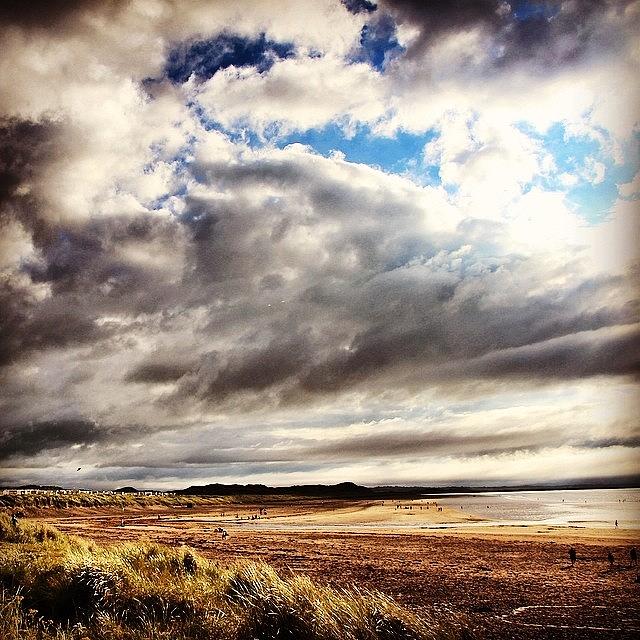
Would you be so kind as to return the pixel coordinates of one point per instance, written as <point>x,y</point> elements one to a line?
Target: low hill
<point>341,490</point>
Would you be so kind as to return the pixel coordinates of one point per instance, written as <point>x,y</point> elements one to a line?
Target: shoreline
<point>323,518</point>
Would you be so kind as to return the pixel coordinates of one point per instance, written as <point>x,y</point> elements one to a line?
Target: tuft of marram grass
<point>62,588</point>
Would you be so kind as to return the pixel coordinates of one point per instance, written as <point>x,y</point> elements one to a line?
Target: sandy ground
<point>508,581</point>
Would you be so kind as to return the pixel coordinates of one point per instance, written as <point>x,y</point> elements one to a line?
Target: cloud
<point>295,94</point>
<point>29,324</point>
<point>32,439</point>
<point>551,33</point>
<point>28,152</point>
<point>50,14</point>
<point>412,444</point>
<point>168,262</point>
<point>157,373</point>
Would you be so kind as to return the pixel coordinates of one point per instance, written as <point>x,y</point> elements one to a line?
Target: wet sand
<point>507,581</point>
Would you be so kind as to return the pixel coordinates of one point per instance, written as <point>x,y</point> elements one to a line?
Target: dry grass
<point>32,502</point>
<point>64,588</point>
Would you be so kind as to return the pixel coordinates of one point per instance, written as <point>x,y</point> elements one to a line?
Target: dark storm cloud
<point>444,322</point>
<point>436,18</point>
<point>574,356</point>
<point>89,277</point>
<point>549,32</point>
<point>247,370</point>
<point>88,254</point>
<point>27,151</point>
<point>157,373</point>
<point>202,59</point>
<point>31,439</point>
<point>53,15</point>
<point>85,261</point>
<point>438,443</point>
<point>52,437</point>
<point>605,443</point>
<point>27,325</point>
<point>372,311</point>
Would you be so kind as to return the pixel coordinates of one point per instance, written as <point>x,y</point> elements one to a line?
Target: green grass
<point>54,586</point>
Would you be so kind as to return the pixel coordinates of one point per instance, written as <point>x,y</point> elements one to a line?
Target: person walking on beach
<point>572,556</point>
<point>616,524</point>
<point>633,554</point>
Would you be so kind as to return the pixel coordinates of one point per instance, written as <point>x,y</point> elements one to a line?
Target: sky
<point>291,241</point>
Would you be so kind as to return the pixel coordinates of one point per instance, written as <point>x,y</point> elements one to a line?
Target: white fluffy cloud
<point>296,94</point>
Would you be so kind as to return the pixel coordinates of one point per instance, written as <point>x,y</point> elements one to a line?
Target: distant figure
<point>572,556</point>
<point>14,520</point>
<point>122,522</point>
<point>225,535</point>
<point>633,554</point>
<point>610,558</point>
<point>616,524</point>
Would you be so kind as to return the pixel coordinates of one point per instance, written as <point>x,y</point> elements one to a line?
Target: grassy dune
<point>57,587</point>
<point>31,502</point>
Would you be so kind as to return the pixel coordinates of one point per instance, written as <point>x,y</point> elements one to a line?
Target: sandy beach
<point>511,581</point>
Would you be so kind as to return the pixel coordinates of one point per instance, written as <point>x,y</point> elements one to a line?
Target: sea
<point>572,507</point>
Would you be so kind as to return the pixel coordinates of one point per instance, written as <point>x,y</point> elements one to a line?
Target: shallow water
<point>578,507</point>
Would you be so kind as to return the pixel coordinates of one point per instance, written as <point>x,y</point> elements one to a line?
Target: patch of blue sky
<point>203,58</point>
<point>237,134</point>
<point>359,6</point>
<point>626,171</point>
<point>528,10</point>
<point>378,42</point>
<point>590,195</point>
<point>161,202</point>
<point>401,153</point>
